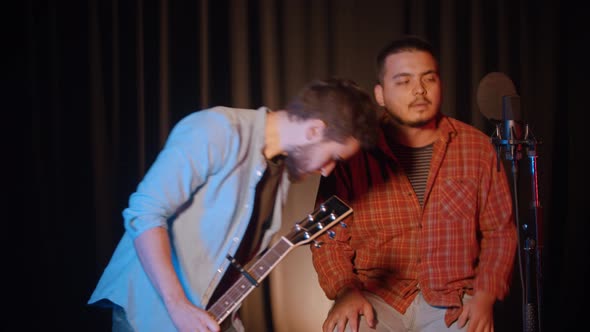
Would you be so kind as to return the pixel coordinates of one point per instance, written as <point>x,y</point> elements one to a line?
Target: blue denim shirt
<point>201,188</point>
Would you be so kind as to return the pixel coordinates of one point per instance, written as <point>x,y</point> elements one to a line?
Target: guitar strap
<point>259,222</point>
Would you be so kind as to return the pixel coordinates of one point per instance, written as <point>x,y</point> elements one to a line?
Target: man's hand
<point>189,318</point>
<point>350,304</point>
<point>154,251</point>
<point>479,312</point>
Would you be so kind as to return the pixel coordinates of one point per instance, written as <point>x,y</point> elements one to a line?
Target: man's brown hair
<point>346,109</point>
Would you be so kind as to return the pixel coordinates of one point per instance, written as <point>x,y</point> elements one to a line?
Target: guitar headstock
<point>328,214</point>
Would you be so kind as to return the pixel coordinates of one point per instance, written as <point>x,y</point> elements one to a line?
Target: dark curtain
<point>106,80</point>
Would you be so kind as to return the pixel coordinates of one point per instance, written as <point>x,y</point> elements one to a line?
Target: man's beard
<point>391,117</point>
<point>297,161</point>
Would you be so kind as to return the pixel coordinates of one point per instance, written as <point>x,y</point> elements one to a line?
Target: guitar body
<point>328,214</point>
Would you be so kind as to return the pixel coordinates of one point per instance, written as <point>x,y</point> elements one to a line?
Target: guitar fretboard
<point>242,287</point>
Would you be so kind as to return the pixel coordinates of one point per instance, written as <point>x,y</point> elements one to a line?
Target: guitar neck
<point>327,215</point>
<point>258,269</point>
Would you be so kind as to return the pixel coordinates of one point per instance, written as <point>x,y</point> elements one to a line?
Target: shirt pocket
<point>458,199</point>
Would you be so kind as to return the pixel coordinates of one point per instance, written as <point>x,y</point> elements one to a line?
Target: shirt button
<point>259,173</point>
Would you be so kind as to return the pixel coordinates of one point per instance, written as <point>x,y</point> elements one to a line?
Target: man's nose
<point>419,88</point>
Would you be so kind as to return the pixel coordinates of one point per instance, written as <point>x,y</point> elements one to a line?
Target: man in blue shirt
<point>216,189</point>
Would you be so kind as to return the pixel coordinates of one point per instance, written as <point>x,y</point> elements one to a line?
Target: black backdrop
<point>86,161</point>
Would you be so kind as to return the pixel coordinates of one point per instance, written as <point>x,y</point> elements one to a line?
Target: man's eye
<point>430,78</point>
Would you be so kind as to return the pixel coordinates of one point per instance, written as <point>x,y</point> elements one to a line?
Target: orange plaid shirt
<point>463,239</point>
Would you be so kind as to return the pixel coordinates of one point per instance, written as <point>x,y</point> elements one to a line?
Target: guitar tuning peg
<point>317,244</point>
<point>343,224</point>
<point>331,234</point>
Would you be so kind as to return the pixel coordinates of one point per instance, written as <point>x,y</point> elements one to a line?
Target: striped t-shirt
<point>416,163</point>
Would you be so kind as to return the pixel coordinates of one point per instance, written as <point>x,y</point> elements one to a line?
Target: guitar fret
<point>227,302</point>
<point>243,286</point>
<point>270,259</point>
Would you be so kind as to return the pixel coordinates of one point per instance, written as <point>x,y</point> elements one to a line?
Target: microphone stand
<point>531,285</point>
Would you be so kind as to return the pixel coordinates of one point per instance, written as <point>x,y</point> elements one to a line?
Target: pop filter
<point>490,94</point>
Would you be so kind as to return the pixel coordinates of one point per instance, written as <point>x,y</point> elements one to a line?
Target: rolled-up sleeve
<point>193,151</point>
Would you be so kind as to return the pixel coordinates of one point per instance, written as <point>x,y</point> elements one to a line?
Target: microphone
<point>499,102</point>
<point>512,129</point>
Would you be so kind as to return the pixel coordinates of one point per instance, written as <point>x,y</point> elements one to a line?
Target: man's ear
<point>378,92</point>
<point>314,131</point>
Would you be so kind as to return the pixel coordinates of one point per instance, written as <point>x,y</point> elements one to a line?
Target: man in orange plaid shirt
<point>432,241</point>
